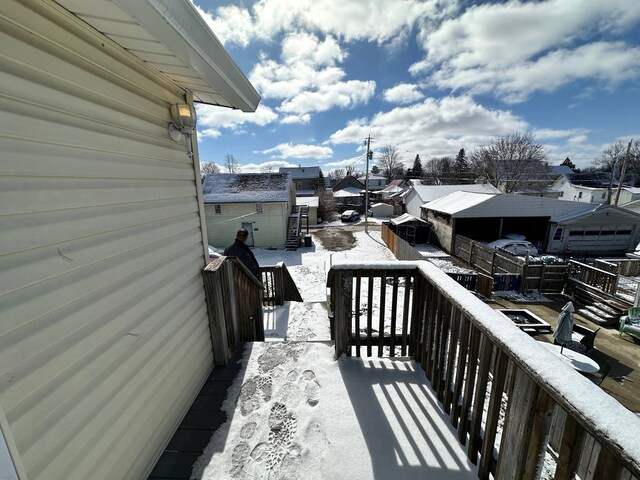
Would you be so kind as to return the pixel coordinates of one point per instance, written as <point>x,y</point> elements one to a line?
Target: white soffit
<point>171,37</point>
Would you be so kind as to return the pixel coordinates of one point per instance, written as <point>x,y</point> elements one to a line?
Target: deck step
<point>592,317</point>
<point>606,308</point>
<point>601,313</point>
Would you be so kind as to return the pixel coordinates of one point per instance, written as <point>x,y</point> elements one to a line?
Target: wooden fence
<point>403,250</point>
<point>234,304</point>
<point>483,368</point>
<point>546,278</point>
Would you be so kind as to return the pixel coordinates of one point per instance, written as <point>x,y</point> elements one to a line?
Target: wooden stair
<point>599,307</point>
<point>293,232</point>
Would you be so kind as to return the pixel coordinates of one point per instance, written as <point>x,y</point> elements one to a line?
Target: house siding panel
<point>269,229</point>
<point>104,340</point>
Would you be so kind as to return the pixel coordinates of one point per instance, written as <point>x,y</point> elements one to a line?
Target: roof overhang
<point>171,37</point>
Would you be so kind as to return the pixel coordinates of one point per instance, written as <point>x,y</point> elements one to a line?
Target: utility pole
<point>366,186</point>
<point>622,173</point>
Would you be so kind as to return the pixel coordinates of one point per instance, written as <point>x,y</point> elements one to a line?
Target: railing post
<point>342,291</point>
<point>217,318</point>
<point>279,283</point>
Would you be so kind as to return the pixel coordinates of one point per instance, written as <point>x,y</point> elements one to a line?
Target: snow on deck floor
<point>297,413</point>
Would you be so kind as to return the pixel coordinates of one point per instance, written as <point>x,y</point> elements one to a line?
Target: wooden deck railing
<point>278,286</point>
<point>234,304</point>
<point>503,392</point>
<point>593,276</point>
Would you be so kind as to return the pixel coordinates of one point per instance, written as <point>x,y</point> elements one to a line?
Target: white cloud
<point>375,20</point>
<point>288,150</point>
<point>356,162</point>
<point>212,119</point>
<point>403,93</point>
<point>435,127</point>
<point>551,134</point>
<point>308,79</point>
<point>271,165</point>
<point>515,48</point>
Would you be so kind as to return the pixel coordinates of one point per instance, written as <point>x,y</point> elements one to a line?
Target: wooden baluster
<point>493,415</point>
<point>383,299</point>
<point>357,307</point>
<point>394,312</point>
<point>456,316</point>
<point>517,427</point>
<point>408,283</point>
<point>573,436</point>
<point>460,369</point>
<point>469,382</point>
<point>486,352</point>
<point>370,280</point>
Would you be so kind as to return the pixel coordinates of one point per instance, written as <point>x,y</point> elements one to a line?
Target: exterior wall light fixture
<point>183,122</point>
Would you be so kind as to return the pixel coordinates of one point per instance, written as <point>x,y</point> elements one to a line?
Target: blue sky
<point>429,77</point>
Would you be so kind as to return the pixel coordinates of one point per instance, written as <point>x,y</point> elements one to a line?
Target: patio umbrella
<point>565,325</point>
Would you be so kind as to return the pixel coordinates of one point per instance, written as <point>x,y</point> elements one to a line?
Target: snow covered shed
<point>487,217</point>
<point>104,339</point>
<point>258,202</point>
<point>381,210</point>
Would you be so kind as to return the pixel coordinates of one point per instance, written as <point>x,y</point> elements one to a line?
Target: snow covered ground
<point>297,413</point>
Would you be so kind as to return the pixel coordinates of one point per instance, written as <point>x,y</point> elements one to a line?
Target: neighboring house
<point>381,210</point>
<point>552,225</point>
<point>349,191</point>
<point>105,335</point>
<point>258,202</point>
<point>312,203</point>
<point>627,195</point>
<point>418,194</point>
<point>582,187</point>
<point>305,179</point>
<point>395,187</point>
<point>375,182</point>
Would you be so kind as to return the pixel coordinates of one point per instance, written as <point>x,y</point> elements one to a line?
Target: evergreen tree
<point>568,163</point>
<point>416,171</point>
<point>375,170</point>
<point>461,166</point>
<point>321,184</point>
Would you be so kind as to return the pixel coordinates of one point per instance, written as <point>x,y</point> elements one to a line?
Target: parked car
<point>516,247</point>
<point>350,216</point>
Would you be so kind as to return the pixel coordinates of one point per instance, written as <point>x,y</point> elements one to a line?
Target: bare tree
<point>231,164</point>
<point>266,169</point>
<point>515,162</point>
<point>327,206</point>
<point>389,162</point>
<point>337,174</point>
<point>208,168</point>
<point>439,171</point>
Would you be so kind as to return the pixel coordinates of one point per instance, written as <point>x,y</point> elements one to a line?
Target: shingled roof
<point>246,187</point>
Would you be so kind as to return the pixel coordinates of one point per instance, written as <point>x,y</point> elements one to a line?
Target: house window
<point>579,194</point>
<point>558,234</point>
<point>218,209</point>
<point>603,194</point>
<point>561,194</point>
<point>258,208</point>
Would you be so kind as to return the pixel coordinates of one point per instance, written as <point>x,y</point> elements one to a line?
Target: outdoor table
<point>578,361</point>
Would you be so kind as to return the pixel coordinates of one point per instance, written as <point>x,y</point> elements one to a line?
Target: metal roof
<point>407,217</point>
<point>171,37</point>
<point>471,204</point>
<point>457,202</point>
<point>429,193</point>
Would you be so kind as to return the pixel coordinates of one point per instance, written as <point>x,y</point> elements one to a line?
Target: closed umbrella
<point>564,329</point>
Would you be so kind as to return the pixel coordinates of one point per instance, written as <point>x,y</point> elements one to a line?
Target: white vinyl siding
<point>269,227</point>
<point>104,338</point>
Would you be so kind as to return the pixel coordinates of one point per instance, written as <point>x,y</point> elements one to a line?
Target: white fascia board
<point>180,28</point>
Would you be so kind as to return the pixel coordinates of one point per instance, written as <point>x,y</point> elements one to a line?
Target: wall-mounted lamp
<point>183,118</point>
<point>183,122</point>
